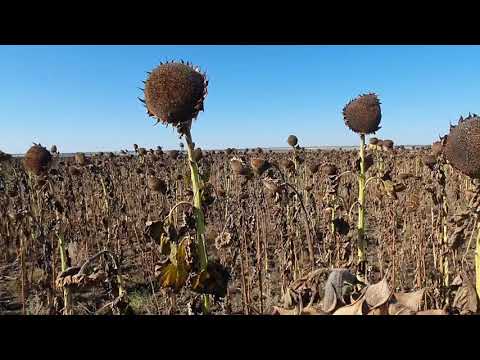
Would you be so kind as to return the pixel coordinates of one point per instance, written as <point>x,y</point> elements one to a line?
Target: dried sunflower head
<point>314,167</point>
<point>463,146</point>
<point>37,159</point>
<point>429,161</point>
<point>4,156</point>
<point>174,93</point>
<point>331,170</point>
<point>259,166</point>
<point>80,159</point>
<point>292,140</point>
<point>363,114</point>
<point>387,144</point>
<point>157,185</point>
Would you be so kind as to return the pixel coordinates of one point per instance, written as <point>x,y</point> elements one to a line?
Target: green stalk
<point>332,219</point>
<point>362,245</point>
<point>67,296</point>
<point>477,262</point>
<point>198,211</point>
<point>444,248</point>
<point>446,279</point>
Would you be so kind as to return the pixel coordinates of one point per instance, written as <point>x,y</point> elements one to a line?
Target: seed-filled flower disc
<point>259,166</point>
<point>37,159</point>
<point>363,114</point>
<point>462,149</point>
<point>174,93</point>
<point>387,144</point>
<point>4,156</point>
<point>331,169</point>
<point>292,140</point>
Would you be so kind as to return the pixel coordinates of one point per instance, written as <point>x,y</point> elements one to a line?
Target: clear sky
<point>84,98</point>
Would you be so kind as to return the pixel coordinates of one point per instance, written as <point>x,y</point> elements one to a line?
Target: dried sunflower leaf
<point>396,308</point>
<point>306,311</point>
<point>432,312</point>
<point>378,294</point>
<point>154,229</point>
<point>466,299</point>
<point>381,310</point>
<point>412,300</point>
<point>357,308</point>
<point>337,279</point>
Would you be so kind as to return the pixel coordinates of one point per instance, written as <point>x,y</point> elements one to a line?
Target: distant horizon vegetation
<point>276,149</point>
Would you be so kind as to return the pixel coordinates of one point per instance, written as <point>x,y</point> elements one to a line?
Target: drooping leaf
<point>396,308</point>
<point>381,310</point>
<point>378,294</point>
<point>356,308</point>
<point>167,276</point>
<point>432,312</point>
<point>306,311</point>
<point>466,299</point>
<point>154,229</point>
<point>330,298</point>
<point>175,271</point>
<point>412,300</point>
<point>334,288</point>
<point>213,280</point>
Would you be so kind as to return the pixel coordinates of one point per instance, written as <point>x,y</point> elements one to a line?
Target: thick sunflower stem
<point>444,248</point>
<point>477,262</point>
<point>67,296</point>
<point>198,211</point>
<point>362,244</point>
<point>332,220</point>
<point>445,268</point>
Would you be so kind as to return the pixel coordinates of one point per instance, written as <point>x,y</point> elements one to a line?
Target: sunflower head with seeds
<point>175,93</point>
<point>463,144</point>
<point>363,114</point>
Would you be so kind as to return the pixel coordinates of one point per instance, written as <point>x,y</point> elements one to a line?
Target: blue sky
<point>84,98</point>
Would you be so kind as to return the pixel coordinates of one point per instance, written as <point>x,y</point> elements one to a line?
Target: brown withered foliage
<point>268,232</point>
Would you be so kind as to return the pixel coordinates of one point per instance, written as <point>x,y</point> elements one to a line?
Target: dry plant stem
<point>105,196</point>
<point>169,216</point>
<point>294,158</point>
<point>443,223</point>
<point>464,257</point>
<point>303,208</point>
<point>244,286</point>
<point>67,296</point>
<point>477,262</point>
<point>445,249</point>
<point>259,265</point>
<point>121,288</point>
<point>332,220</point>
<point>23,269</point>
<point>374,178</point>
<point>199,216</point>
<point>362,246</point>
